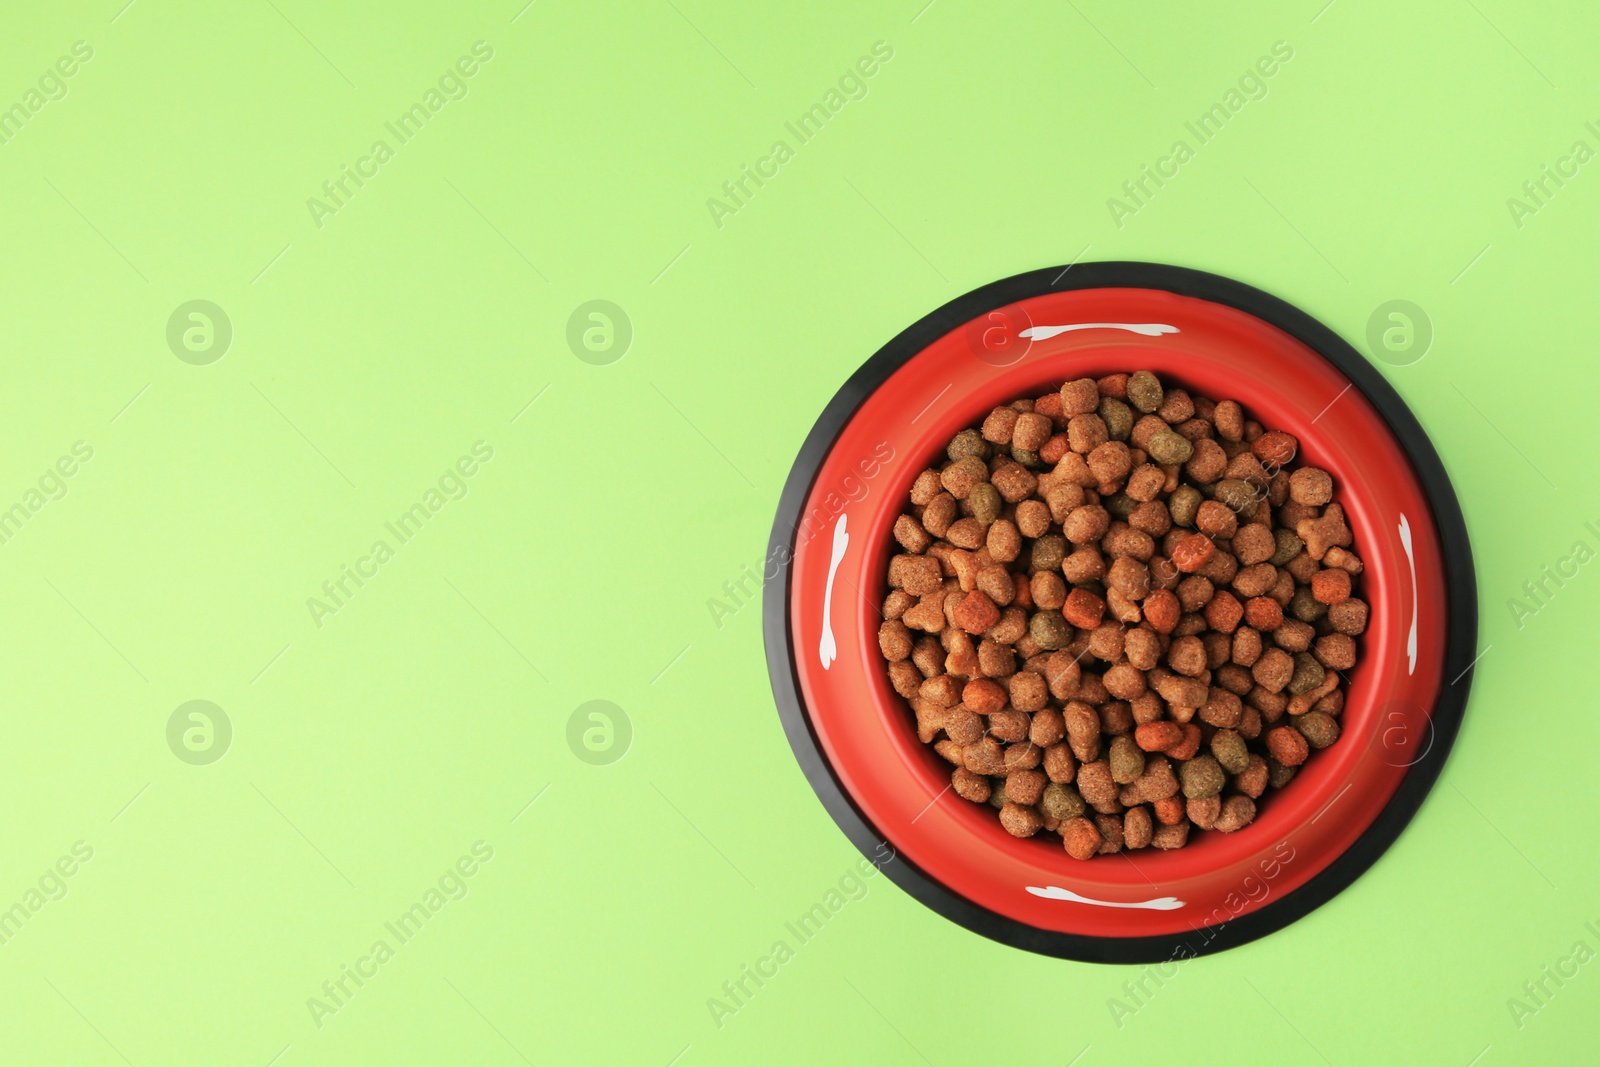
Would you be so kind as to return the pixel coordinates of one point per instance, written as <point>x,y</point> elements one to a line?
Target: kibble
<point>1121,612</point>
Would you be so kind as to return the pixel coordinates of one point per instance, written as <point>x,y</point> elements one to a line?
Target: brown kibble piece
<point>1137,827</point>
<point>1203,811</point>
<point>1253,781</point>
<point>964,726</point>
<point>1344,560</point>
<point>984,757</point>
<point>917,575</point>
<point>970,786</point>
<point>1083,729</point>
<point>1047,728</point>
<point>1237,812</point>
<point>1025,786</point>
<point>1337,651</point>
<point>1028,691</point>
<point>925,488</point>
<point>1216,520</point>
<point>894,640</point>
<point>1048,590</point>
<point>959,478</point>
<point>1207,463</point>
<point>905,678</point>
<point>1187,656</point>
<point>896,603</point>
<point>912,537</point>
<point>1323,533</point>
<point>1031,431</point>
<point>1004,542</point>
<point>1096,785</point>
<point>1079,397</point>
<point>1168,836</point>
<point>998,425</point>
<point>1020,821</point>
<point>1110,827</point>
<point>1348,616</point>
<point>1308,485</point>
<point>1254,543</point>
<point>942,690</point>
<point>1273,670</point>
<point>1059,763</point>
<point>1009,725</point>
<point>1033,518</point>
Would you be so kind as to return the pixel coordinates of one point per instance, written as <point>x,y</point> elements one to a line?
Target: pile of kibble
<point>1119,611</point>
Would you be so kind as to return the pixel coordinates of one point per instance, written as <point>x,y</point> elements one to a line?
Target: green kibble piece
<point>968,443</point>
<point>1230,750</point>
<point>1048,552</point>
<point>997,793</point>
<point>1126,759</point>
<point>1308,674</point>
<point>986,502</point>
<point>1028,459</point>
<point>1184,504</point>
<point>1169,447</point>
<point>1061,802</point>
<point>1118,418</point>
<point>1050,630</point>
<point>1235,493</point>
<point>1318,728</point>
<point>1120,506</point>
<point>1278,775</point>
<point>1306,607</point>
<point>1202,777</point>
<point>1289,546</point>
<point>1144,391</point>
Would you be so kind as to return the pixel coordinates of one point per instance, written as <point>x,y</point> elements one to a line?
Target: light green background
<point>369,354</point>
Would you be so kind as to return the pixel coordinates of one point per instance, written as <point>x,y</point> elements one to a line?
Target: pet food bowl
<point>855,738</point>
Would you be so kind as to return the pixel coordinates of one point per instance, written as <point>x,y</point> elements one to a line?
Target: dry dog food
<point>1121,611</point>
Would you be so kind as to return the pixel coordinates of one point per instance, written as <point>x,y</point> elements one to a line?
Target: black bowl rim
<point>1460,636</point>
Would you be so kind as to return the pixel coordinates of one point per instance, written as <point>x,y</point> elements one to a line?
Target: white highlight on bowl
<point>1148,329</point>
<point>828,649</point>
<point>1052,892</point>
<point>1411,561</point>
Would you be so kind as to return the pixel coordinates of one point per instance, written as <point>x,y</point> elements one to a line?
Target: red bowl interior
<point>866,730</point>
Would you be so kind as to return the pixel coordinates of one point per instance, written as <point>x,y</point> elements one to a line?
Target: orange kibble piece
<point>1083,609</point>
<point>1331,586</point>
<point>1193,552</point>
